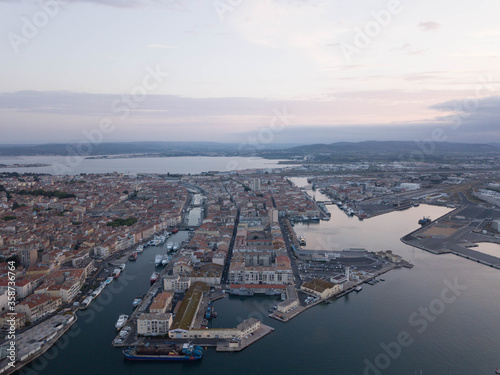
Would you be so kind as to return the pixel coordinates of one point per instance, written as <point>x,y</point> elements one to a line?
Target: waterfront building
<point>176,283</point>
<point>19,320</point>
<point>37,306</point>
<point>154,324</point>
<point>161,303</point>
<point>321,288</point>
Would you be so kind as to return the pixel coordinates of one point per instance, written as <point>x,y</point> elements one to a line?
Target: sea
<point>74,165</point>
<point>441,317</point>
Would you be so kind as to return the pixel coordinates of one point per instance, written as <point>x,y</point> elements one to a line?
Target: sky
<point>272,71</point>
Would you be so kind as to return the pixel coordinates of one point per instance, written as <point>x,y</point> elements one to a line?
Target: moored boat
<point>122,320</point>
<point>136,302</point>
<point>158,259</point>
<point>116,272</point>
<point>133,256</point>
<point>170,352</point>
<point>154,277</point>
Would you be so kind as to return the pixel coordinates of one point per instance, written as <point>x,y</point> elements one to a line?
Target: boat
<point>108,280</point>
<point>175,230</point>
<point>96,292</point>
<point>139,249</point>
<point>424,221</point>
<point>165,259</point>
<point>116,272</point>
<point>497,371</point>
<point>170,246</point>
<point>154,277</point>
<point>133,256</point>
<point>136,302</point>
<point>302,241</point>
<point>86,302</point>
<point>241,292</point>
<point>122,266</point>
<point>122,320</point>
<point>168,352</point>
<point>158,259</point>
<point>359,288</point>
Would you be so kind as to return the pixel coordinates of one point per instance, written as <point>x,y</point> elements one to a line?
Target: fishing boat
<point>168,352</point>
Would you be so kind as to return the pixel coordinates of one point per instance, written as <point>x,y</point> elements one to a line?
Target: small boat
<point>136,302</point>
<point>165,260</point>
<point>86,302</point>
<point>154,277</point>
<point>175,230</point>
<point>116,272</point>
<point>176,246</point>
<point>139,249</point>
<point>108,280</point>
<point>158,259</point>
<point>358,289</point>
<point>133,256</point>
<point>169,352</point>
<point>497,371</point>
<point>122,266</point>
<point>122,320</point>
<point>170,246</point>
<point>424,221</point>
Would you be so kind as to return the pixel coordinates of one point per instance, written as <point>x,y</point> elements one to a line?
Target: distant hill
<point>114,148</point>
<point>382,147</point>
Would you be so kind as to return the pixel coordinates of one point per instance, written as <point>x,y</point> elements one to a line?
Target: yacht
<point>158,259</point>
<point>121,321</point>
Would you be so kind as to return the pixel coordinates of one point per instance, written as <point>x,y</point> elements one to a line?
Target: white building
<point>150,324</point>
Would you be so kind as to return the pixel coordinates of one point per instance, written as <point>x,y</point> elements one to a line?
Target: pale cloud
<point>429,26</point>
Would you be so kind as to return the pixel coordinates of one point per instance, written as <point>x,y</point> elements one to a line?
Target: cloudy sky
<point>298,71</point>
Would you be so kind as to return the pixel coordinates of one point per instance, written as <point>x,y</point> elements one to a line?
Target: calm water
<point>488,248</point>
<point>188,164</point>
<point>328,339</point>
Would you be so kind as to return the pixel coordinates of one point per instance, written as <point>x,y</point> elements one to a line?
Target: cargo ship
<point>169,352</point>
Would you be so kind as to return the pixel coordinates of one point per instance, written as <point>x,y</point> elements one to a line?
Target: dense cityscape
<point>69,237</point>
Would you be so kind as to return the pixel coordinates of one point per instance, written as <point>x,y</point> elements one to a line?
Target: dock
<point>239,345</point>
